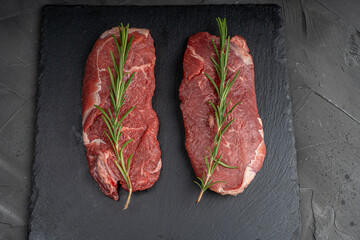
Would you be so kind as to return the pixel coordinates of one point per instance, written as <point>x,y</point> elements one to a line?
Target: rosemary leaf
<point>125,144</point>
<point>128,162</point>
<point>225,165</point>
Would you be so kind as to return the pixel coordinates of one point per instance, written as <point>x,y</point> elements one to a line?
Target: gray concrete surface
<point>323,50</point>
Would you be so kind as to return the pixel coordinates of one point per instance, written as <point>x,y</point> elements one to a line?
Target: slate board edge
<point>282,37</point>
<point>45,7</point>
<point>34,190</point>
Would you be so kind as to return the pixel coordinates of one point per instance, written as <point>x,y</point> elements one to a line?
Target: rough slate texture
<point>67,203</point>
<point>326,30</point>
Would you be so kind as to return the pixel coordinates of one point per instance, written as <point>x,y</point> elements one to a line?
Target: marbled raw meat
<point>141,124</point>
<point>242,145</point>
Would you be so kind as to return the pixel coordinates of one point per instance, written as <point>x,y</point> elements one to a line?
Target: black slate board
<point>66,201</point>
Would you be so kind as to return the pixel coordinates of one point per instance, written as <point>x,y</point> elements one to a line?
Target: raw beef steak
<point>141,124</point>
<point>242,145</point>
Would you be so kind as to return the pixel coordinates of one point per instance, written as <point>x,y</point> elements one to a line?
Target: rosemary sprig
<point>117,94</point>
<point>213,160</point>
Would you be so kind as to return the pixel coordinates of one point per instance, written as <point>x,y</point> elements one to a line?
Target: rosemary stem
<point>200,196</point>
<point>129,194</point>
<point>206,182</point>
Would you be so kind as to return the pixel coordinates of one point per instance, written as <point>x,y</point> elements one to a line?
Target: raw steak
<point>141,124</point>
<point>242,145</point>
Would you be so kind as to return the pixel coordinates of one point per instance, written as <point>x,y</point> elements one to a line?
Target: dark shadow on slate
<point>68,204</point>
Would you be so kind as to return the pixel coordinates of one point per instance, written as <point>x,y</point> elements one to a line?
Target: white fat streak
<point>245,56</point>
<point>142,31</point>
<point>97,141</point>
<point>141,67</point>
<point>96,96</point>
<point>128,128</point>
<point>115,31</point>
<point>85,138</point>
<point>87,141</point>
<point>226,143</point>
<point>103,168</point>
<point>261,131</point>
<point>194,54</point>
<point>158,167</point>
<point>249,171</point>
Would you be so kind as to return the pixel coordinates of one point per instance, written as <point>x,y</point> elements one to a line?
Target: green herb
<point>117,93</point>
<point>213,160</point>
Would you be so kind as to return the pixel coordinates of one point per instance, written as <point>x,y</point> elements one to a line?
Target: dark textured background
<point>322,40</point>
<point>67,204</point>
